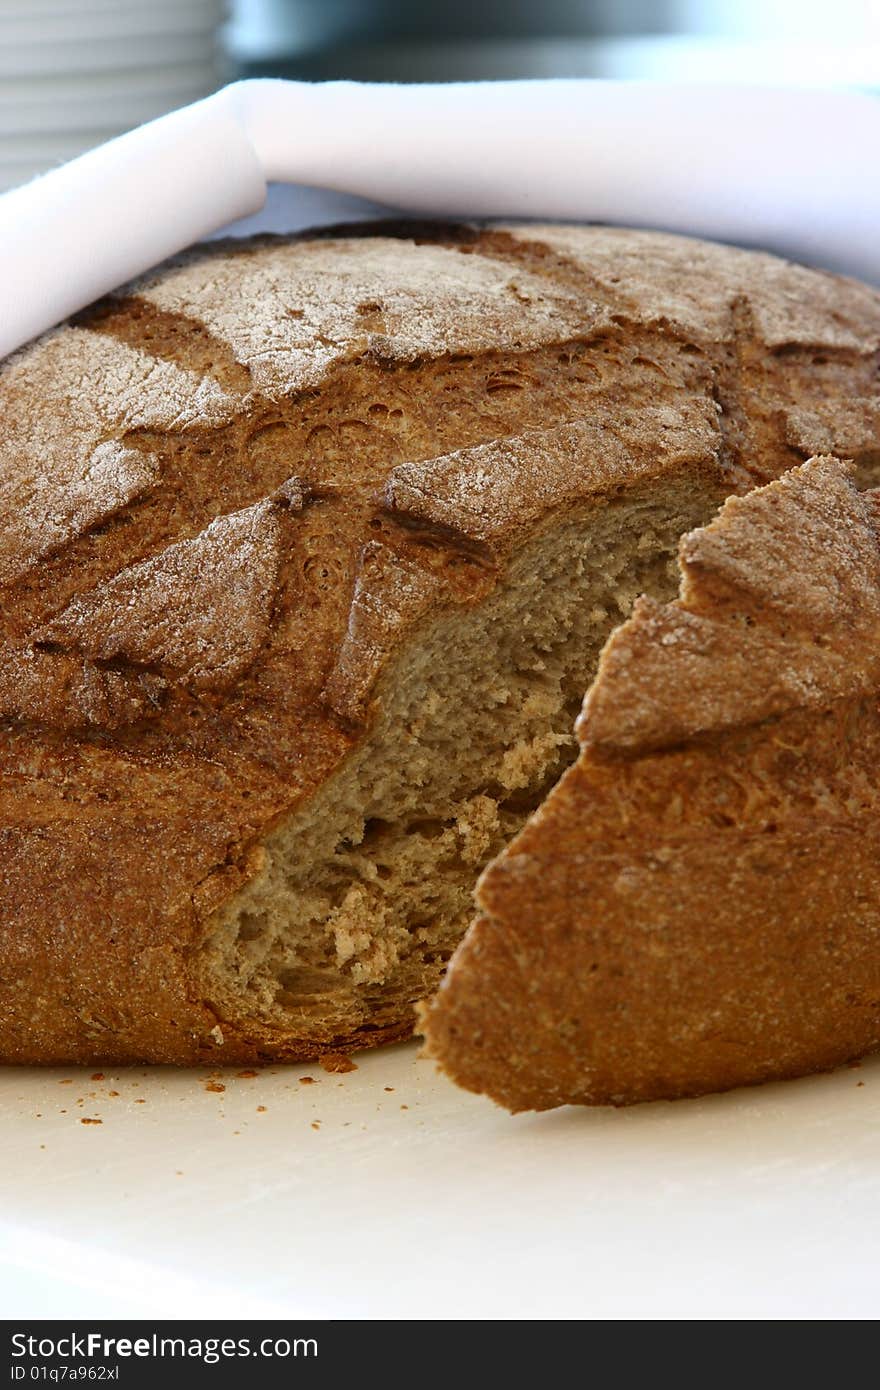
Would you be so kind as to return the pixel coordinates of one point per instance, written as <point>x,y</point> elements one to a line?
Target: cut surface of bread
<point>363,896</point>
<point>696,905</point>
<point>309,548</point>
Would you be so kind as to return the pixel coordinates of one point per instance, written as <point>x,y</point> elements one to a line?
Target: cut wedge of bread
<point>696,905</point>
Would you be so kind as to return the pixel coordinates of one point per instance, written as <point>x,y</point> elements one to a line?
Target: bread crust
<point>696,906</point>
<point>198,477</point>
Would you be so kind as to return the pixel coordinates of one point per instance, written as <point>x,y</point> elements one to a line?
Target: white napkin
<point>792,171</point>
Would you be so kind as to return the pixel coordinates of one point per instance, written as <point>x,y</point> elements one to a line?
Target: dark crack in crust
<point>146,751</point>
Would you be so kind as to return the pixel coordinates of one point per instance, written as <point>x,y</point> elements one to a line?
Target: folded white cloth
<point>792,171</point>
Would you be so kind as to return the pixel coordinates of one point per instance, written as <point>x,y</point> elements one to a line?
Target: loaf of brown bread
<point>309,549</point>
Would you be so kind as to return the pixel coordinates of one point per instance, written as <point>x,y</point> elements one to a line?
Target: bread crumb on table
<point>337,1062</point>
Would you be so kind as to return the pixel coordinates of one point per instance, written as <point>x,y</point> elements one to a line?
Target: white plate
<point>47,8</point>
<point>11,175</point>
<point>42,91</point>
<point>164,25</point>
<point>103,110</point>
<point>74,21</point>
<point>98,54</point>
<point>762,1204</point>
<point>50,149</point>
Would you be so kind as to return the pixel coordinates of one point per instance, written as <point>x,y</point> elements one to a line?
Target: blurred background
<point>76,72</point>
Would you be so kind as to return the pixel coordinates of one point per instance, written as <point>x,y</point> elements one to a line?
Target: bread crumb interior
<point>368,888</point>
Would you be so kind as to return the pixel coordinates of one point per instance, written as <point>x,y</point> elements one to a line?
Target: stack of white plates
<point>74,73</point>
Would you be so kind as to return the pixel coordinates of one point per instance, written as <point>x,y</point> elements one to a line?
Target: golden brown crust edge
<point>697,904</point>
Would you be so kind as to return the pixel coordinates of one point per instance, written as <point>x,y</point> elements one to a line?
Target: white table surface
<point>412,1199</point>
